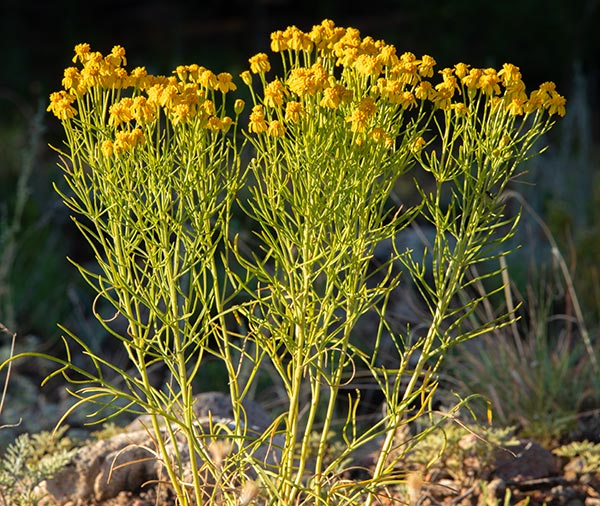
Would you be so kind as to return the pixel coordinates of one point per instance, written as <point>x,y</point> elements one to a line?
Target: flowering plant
<point>154,167</point>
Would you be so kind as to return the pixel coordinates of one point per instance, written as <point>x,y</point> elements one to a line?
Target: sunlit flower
<point>259,63</point>
<point>461,70</point>
<point>128,140</point>
<point>81,53</point>
<point>360,117</point>
<point>143,111</point>
<point>116,58</point>
<point>107,148</point>
<point>488,82</point>
<point>72,80</point>
<point>510,74</point>
<point>296,40</point>
<point>276,129</point>
<point>556,105</point>
<point>460,109</point>
<point>274,93</point>
<point>516,106</point>
<point>303,81</point>
<point>293,112</point>
<point>424,91</point>
<point>246,77</point>
<point>417,145</point>
<point>121,112</point>
<point>367,65</point>
<point>214,123</point>
<point>208,79</point>
<point>426,66</point>
<point>225,82</point>
<point>335,95</point>
<point>471,80</point>
<point>387,56</point>
<point>60,105</point>
<point>257,122</point>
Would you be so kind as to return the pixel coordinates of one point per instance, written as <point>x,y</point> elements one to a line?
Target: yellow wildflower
<point>278,43</point>
<point>380,136</point>
<point>460,109</point>
<point>335,95</point>
<point>225,82</point>
<point>72,81</point>
<point>360,117</point>
<point>443,95</point>
<point>121,112</point>
<point>367,65</point>
<point>82,52</point>
<point>309,81</point>
<point>556,105</point>
<point>246,77</point>
<point>259,63</point>
<point>407,100</point>
<point>214,123</point>
<point>274,94</point>
<point>516,106</point>
<point>424,91</point>
<point>168,96</point>
<point>276,129</point>
<point>107,148</point>
<point>296,40</point>
<point>154,93</point>
<point>60,105</point>
<point>461,70</point>
<point>293,112</point>
<point>515,90</point>
<point>208,79</point>
<point>488,82</point>
<point>226,123</point>
<point>417,145</point>
<point>116,58</point>
<point>426,66</point>
<point>126,141</point>
<point>91,74</point>
<point>138,77</point>
<point>510,74</point>
<point>143,111</point>
<point>471,80</point>
<point>368,46</point>
<point>387,56</point>
<point>257,122</point>
<point>325,35</point>
<point>208,106</point>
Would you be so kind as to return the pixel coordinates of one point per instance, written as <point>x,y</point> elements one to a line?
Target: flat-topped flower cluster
<point>329,70</point>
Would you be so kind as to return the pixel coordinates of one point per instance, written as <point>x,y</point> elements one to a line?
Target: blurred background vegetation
<point>548,39</point>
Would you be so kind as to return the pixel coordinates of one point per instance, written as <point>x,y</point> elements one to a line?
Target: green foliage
<point>452,446</point>
<point>586,453</point>
<point>28,461</point>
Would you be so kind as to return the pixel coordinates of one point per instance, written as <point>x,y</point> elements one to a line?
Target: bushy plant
<point>154,169</point>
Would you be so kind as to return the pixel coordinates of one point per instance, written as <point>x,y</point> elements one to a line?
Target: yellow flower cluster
<point>337,69</point>
<point>136,99</point>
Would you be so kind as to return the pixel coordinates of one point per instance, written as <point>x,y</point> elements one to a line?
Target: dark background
<point>546,38</point>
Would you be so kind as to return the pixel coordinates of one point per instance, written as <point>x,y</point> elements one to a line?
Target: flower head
<point>308,81</point>
<point>61,105</point>
<point>225,82</point>
<point>293,111</point>
<point>275,92</point>
<point>257,122</point>
<point>259,63</point>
